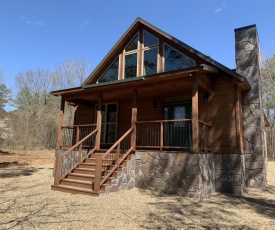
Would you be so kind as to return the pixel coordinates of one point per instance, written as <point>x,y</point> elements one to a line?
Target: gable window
<point>130,58</point>
<point>174,60</point>
<point>145,51</point>
<point>150,54</point>
<point>111,73</point>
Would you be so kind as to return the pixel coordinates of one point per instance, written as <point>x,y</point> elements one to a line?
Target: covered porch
<point>166,112</point>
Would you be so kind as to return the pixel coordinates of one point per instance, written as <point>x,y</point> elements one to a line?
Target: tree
<point>71,73</point>
<point>268,87</point>
<point>4,95</point>
<point>268,96</point>
<point>34,122</point>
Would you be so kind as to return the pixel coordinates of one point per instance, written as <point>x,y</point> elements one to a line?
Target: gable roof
<point>132,30</point>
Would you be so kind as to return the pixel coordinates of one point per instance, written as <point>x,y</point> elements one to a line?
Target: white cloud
<point>31,22</point>
<point>220,9</point>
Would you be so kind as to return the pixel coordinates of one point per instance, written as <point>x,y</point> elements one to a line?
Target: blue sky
<point>43,33</point>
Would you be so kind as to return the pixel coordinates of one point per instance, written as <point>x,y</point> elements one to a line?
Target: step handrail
<point>117,143</point>
<point>58,163</point>
<point>99,181</point>
<point>116,166</point>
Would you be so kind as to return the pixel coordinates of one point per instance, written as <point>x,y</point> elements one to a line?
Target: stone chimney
<point>248,65</point>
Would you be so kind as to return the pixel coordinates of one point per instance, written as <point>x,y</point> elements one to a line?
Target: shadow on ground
<point>35,213</point>
<point>215,212</point>
<point>16,172</point>
<point>6,153</point>
<point>11,164</point>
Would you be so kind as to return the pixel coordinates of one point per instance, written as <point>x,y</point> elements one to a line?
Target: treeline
<point>33,123</point>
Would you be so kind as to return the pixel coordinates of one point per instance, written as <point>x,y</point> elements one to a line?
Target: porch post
<point>195,119</point>
<point>60,124</point>
<point>98,122</point>
<point>134,119</point>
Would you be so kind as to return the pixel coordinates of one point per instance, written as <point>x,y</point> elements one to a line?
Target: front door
<point>108,124</point>
<point>177,133</point>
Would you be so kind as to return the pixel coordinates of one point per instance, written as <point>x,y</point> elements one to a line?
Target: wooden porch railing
<point>171,134</point>
<point>112,159</point>
<point>204,137</point>
<point>72,134</point>
<point>67,161</point>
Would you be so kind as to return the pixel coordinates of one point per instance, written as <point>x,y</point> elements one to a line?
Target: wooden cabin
<point>151,97</point>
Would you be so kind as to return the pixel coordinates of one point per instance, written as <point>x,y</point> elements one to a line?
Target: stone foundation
<point>175,173</point>
<point>125,180</point>
<point>229,173</point>
<point>183,174</point>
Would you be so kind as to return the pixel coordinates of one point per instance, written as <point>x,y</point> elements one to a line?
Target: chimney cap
<point>245,27</point>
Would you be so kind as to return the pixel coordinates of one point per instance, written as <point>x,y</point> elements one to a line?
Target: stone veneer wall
<point>175,173</point>
<point>125,180</point>
<point>229,173</point>
<point>183,174</point>
<point>248,65</point>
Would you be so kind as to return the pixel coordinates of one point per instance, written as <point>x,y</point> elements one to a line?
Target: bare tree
<point>268,90</point>
<point>71,73</point>
<point>268,83</point>
<point>34,122</point>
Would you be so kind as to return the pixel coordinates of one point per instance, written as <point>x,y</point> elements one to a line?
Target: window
<point>150,54</point>
<point>111,74</point>
<point>174,60</point>
<point>130,58</point>
<point>146,54</point>
<point>130,65</point>
<point>150,63</point>
<point>133,45</point>
<point>149,39</point>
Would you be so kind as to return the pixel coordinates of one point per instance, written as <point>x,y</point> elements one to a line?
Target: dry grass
<point>26,202</point>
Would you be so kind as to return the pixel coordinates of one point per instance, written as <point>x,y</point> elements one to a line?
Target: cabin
<point>157,114</point>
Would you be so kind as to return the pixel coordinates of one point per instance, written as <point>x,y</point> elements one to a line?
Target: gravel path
<point>26,202</point>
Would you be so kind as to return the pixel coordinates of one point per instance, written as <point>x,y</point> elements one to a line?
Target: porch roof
<point>120,86</point>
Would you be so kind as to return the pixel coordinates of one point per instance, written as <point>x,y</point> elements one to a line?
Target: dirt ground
<point>11,158</point>
<point>27,202</point>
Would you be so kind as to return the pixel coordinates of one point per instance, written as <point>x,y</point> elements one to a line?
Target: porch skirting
<point>183,174</point>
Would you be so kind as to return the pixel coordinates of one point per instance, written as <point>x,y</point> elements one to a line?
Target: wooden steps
<point>77,183</point>
<point>74,190</point>
<point>81,179</point>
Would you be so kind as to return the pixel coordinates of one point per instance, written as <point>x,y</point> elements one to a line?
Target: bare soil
<point>27,202</point>
<point>15,158</point>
